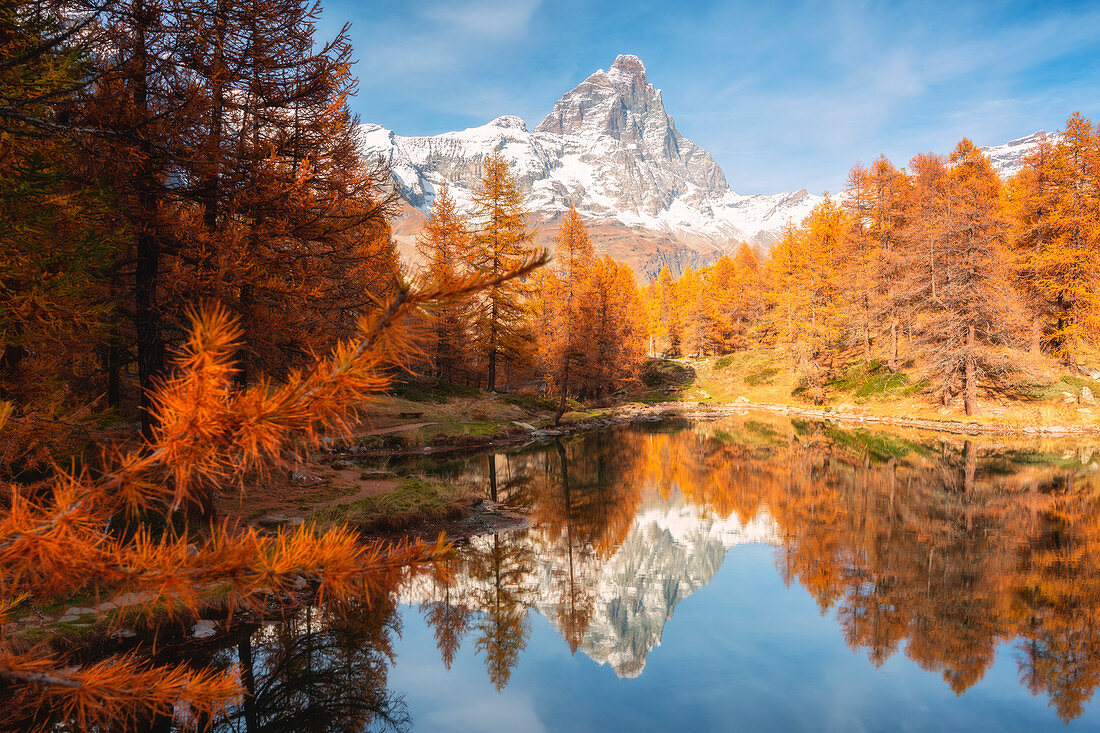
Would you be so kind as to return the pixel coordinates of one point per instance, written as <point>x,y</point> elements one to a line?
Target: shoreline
<point>954,427</point>
<point>706,411</point>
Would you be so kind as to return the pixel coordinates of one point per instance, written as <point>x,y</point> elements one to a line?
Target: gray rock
<point>124,600</point>
<point>304,478</point>
<point>204,629</point>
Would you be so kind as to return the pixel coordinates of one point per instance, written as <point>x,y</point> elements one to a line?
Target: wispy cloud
<point>487,18</point>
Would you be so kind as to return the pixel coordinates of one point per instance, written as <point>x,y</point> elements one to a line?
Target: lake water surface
<point>750,574</point>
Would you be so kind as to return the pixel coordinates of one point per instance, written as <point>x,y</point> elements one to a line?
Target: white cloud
<point>492,18</point>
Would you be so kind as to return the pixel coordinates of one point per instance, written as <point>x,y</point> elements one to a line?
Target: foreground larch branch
<point>57,537</point>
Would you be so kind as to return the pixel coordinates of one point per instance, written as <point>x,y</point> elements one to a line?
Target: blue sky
<point>784,95</point>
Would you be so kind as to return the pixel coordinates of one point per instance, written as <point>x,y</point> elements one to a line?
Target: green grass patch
<point>415,500</point>
<point>479,428</point>
<point>761,429</point>
<point>761,376</point>
<point>750,359</point>
<point>664,372</point>
<point>753,434</point>
<point>1066,383</point>
<point>1017,458</point>
<point>872,380</point>
<point>532,401</point>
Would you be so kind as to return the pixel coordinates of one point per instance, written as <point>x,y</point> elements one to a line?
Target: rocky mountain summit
<point>608,147</point>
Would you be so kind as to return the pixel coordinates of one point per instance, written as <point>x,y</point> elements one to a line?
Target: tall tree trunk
<point>114,371</point>
<point>245,354</point>
<point>970,389</point>
<point>492,376</point>
<point>561,402</point>
<point>493,477</point>
<point>970,469</point>
<point>1036,336</point>
<point>150,353</point>
<point>893,364</point>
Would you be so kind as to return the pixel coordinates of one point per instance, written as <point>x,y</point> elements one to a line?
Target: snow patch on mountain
<point>1007,159</point>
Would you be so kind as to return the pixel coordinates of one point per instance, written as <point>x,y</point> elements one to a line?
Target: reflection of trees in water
<point>449,621</point>
<point>943,548</point>
<point>502,626</point>
<point>318,670</point>
<point>582,498</point>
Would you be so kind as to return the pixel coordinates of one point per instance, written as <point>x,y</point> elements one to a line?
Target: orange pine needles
<point>116,693</point>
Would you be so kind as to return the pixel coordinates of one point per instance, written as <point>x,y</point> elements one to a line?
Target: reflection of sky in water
<point>744,653</point>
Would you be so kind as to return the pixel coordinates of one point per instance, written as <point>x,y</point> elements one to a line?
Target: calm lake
<point>753,574</point>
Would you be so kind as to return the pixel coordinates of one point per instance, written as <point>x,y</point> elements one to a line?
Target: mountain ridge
<point>650,196</point>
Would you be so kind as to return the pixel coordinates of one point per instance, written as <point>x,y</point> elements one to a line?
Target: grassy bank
<point>413,501</point>
<point>1051,396</point>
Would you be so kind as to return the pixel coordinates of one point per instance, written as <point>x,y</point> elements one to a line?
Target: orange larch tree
<point>563,325</point>
<point>57,538</point>
<point>889,192</point>
<point>804,291</point>
<point>668,320</point>
<point>617,332</point>
<point>693,311</point>
<point>501,241</point>
<point>1060,237</point>
<point>444,244</point>
<point>974,310</point>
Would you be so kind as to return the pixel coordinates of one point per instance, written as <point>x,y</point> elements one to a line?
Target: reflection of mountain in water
<point>671,550</point>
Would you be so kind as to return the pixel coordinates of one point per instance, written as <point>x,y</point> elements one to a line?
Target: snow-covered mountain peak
<point>508,122</point>
<point>628,64</point>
